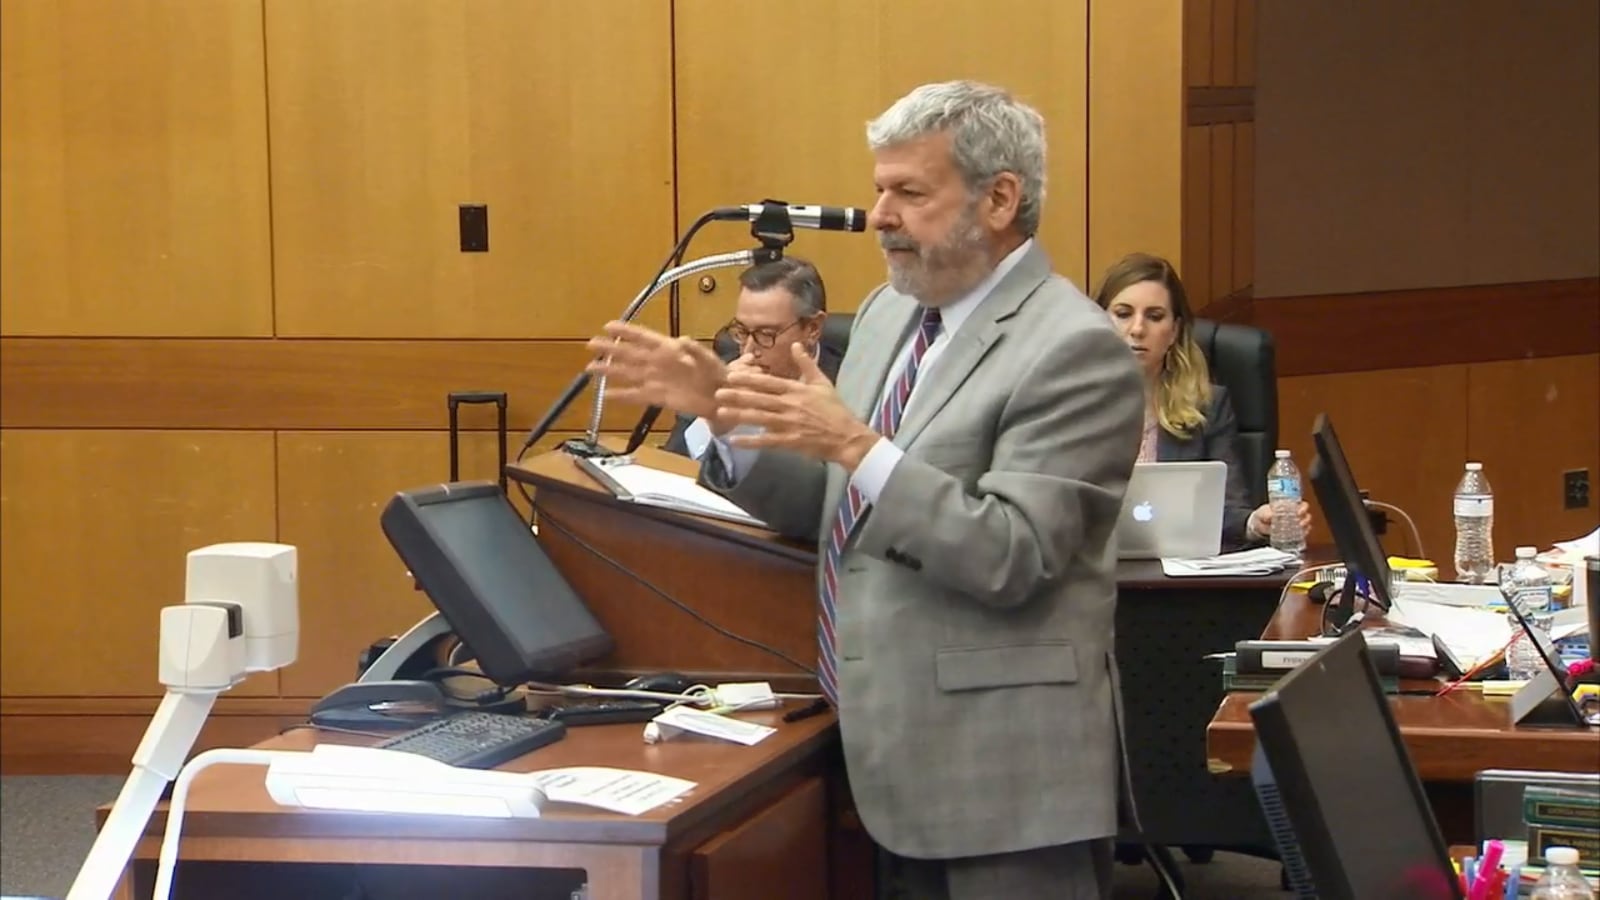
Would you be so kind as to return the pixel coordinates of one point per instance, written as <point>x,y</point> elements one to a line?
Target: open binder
<point>636,483</point>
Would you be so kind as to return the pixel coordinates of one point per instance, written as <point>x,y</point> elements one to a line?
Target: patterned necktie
<point>885,422</point>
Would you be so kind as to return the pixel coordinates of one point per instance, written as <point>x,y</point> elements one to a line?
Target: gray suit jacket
<point>976,599</point>
<point>1219,440</point>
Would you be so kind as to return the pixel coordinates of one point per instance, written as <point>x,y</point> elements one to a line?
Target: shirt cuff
<point>873,474</point>
<point>1252,526</point>
<point>736,461</point>
<point>697,438</point>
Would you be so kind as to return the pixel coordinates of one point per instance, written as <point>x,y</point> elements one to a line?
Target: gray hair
<point>991,132</point>
<point>795,275</point>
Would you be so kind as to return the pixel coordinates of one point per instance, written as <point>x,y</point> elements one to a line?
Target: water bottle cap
<point>1561,856</point>
<point>1280,454</point>
<point>1527,552</point>
<point>1474,467</point>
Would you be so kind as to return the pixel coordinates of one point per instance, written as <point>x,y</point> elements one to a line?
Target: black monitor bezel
<point>1358,681</point>
<point>1340,498</point>
<point>437,572</point>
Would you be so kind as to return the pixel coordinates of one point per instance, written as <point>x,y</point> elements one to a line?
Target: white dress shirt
<point>870,477</point>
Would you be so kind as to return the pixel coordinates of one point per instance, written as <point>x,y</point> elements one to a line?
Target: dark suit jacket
<point>1218,439</point>
<point>827,360</point>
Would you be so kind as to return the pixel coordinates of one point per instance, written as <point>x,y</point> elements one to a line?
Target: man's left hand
<point>804,415</point>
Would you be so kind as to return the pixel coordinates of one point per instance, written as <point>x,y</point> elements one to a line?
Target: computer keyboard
<point>478,740</point>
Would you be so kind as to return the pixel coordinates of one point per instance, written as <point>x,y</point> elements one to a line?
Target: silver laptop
<point>1173,509</point>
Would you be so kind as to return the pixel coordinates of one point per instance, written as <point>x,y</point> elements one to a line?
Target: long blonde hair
<point>1183,393</point>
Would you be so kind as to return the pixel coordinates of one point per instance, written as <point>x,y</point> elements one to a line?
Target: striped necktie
<point>852,505</point>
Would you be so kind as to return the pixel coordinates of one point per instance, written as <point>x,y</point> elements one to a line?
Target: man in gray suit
<point>963,481</point>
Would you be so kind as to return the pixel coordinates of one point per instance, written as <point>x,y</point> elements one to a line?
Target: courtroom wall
<point>233,298</point>
<point>1427,236</point>
<point>1425,144</point>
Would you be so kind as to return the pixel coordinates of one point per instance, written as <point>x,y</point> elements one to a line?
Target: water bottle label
<point>1474,506</point>
<point>1288,488</point>
<point>1533,599</point>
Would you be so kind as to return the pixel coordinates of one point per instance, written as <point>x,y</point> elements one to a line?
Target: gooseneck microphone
<point>824,218</point>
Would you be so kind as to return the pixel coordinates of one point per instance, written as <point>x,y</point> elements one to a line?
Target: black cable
<point>582,380</point>
<point>544,518</point>
<point>333,728</point>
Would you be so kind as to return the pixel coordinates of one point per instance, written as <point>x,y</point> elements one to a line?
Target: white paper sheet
<point>618,790</point>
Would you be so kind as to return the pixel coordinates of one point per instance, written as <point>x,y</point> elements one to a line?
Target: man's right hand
<point>647,367</point>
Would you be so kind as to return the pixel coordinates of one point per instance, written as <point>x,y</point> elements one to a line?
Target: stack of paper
<point>1471,634</point>
<point>1259,561</point>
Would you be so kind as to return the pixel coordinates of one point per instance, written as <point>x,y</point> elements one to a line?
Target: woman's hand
<point>1260,523</point>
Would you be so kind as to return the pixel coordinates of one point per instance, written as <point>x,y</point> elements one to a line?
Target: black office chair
<point>835,336</point>
<point>1243,360</point>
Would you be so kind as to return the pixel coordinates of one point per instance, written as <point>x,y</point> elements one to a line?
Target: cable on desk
<point>1416,536</point>
<point>544,517</point>
<point>333,728</point>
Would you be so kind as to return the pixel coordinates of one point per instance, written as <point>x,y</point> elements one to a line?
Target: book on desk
<point>633,482</point>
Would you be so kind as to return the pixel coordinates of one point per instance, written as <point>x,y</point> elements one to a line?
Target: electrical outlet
<point>1575,487</point>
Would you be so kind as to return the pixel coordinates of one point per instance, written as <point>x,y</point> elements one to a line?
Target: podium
<point>622,557</point>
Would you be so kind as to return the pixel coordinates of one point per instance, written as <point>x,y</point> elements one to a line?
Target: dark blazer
<point>1218,439</point>
<point>827,360</point>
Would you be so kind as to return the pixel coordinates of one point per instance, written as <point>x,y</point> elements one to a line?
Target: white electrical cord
<point>701,695</point>
<point>1416,536</point>
<point>180,796</point>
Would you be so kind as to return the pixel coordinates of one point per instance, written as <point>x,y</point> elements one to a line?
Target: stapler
<point>369,705</point>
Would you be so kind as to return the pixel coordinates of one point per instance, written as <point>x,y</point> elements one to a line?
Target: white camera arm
<point>240,615</point>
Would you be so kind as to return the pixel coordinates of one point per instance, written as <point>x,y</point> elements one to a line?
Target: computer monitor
<point>1358,545</point>
<point>1346,807</point>
<point>477,560</point>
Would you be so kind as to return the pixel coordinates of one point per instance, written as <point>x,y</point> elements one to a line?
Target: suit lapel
<point>982,330</point>
<point>877,351</point>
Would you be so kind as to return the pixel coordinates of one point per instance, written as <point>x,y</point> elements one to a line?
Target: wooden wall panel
<point>1432,326</point>
<point>133,187</point>
<point>332,487</point>
<point>1197,230</point>
<point>386,115</point>
<point>1424,144</point>
<point>285,384</point>
<point>97,525</point>
<point>748,130</point>
<point>1244,203</point>
<point>1528,422</point>
<point>1135,132</point>
<point>1222,198</point>
<point>1404,432</point>
<point>1218,258</point>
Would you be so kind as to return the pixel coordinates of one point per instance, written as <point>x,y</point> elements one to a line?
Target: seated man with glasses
<point>780,304</point>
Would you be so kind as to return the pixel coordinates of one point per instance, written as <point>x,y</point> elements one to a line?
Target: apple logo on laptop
<point>1144,512</point>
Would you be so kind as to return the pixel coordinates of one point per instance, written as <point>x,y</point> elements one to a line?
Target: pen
<point>1487,866</point>
<point>817,707</point>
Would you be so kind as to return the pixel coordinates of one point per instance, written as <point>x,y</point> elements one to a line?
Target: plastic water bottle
<point>1562,880</point>
<point>1474,509</point>
<point>1530,587</point>
<point>1283,493</point>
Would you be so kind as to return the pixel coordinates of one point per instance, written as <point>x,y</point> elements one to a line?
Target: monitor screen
<point>1341,503</point>
<point>1346,806</point>
<point>479,563</point>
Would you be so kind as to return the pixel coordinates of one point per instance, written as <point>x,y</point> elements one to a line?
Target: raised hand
<point>805,415</point>
<point>647,367</point>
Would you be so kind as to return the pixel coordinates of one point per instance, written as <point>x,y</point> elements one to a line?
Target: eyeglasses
<point>761,337</point>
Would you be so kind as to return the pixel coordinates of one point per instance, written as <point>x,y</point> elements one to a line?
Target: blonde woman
<point>1186,416</point>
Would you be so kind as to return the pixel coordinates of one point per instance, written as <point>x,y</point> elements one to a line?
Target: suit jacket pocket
<point>1006,665</point>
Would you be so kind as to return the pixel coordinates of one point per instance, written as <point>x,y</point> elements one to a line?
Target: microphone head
<point>855,219</point>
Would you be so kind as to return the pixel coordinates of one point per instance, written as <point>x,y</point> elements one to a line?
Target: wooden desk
<point>1450,738</point>
<point>748,581</point>
<point>755,826</point>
